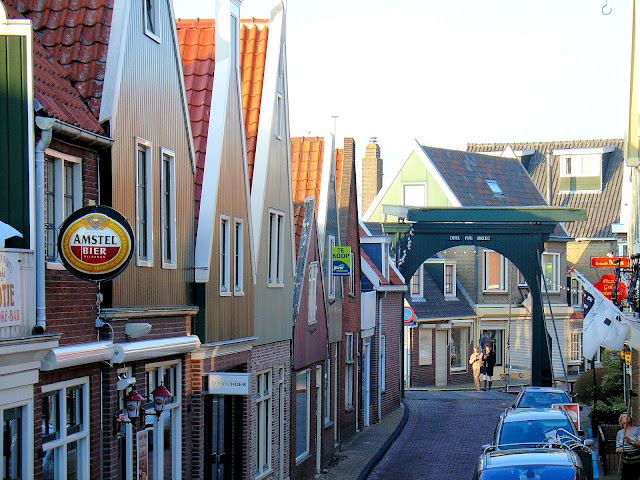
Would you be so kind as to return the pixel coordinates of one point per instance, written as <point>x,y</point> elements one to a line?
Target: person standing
<point>488,362</point>
<point>628,443</point>
<point>475,360</point>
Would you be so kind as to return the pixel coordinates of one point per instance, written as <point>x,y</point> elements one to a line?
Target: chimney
<point>371,173</point>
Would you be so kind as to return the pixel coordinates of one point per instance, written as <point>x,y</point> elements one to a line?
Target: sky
<point>450,72</point>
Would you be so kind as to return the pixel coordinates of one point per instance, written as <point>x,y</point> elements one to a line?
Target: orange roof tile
<point>53,89</point>
<point>75,35</point>
<point>306,167</point>
<point>339,160</point>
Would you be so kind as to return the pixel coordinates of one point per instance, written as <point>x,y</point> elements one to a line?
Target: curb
<point>385,446</point>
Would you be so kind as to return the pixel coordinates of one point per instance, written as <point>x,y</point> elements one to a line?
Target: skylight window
<point>495,188</point>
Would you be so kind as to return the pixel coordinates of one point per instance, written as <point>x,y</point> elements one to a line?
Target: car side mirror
<point>589,442</point>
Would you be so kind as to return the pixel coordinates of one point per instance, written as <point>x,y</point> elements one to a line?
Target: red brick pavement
<point>442,438</point>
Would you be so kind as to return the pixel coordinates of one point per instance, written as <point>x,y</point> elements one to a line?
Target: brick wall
<point>579,256</point>
<point>392,324</point>
<point>371,174</point>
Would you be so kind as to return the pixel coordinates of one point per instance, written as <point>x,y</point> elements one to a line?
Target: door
<point>442,357</point>
<point>223,437</point>
<point>366,380</point>
<point>318,417</point>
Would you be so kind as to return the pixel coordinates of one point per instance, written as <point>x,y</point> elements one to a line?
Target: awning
<point>79,354</point>
<point>132,351</point>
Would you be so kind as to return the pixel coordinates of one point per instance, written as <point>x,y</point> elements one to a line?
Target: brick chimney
<point>371,173</point>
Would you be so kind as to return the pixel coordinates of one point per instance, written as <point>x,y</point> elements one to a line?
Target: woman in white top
<point>628,443</point>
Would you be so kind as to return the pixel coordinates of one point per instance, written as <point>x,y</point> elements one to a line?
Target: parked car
<point>540,397</point>
<point>536,427</point>
<point>529,463</point>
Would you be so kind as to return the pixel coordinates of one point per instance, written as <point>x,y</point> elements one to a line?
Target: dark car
<point>529,463</point>
<point>540,397</point>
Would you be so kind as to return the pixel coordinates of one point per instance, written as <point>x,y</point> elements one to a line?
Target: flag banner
<point>604,324</point>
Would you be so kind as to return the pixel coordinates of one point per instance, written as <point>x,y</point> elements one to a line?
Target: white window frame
<point>168,213</point>
<point>59,445</point>
<point>225,255</point>
<point>238,257</point>
<point>234,39</point>
<point>522,282</point>
<point>575,345</point>
<point>307,433</point>
<point>157,423</point>
<point>331,241</point>
<point>383,362</point>
<point>264,406</point>
<point>349,348</point>
<point>144,260</point>
<point>154,6</point>
<point>414,184</point>
<point>313,293</point>
<point>276,248</point>
<point>416,285</point>
<point>464,347</point>
<point>26,434</point>
<point>453,292</point>
<point>352,276</point>
<point>553,284</point>
<point>327,388</point>
<point>58,191</point>
<point>279,115</point>
<point>502,265</point>
<point>565,160</point>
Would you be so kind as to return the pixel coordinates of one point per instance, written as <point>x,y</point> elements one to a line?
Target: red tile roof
<point>339,161</point>
<point>53,89</point>
<point>197,49</point>
<point>76,35</point>
<point>306,167</point>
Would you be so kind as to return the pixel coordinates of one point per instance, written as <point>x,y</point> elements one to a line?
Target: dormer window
<point>581,165</point>
<point>581,168</point>
<point>416,285</point>
<point>495,188</point>
<point>449,279</point>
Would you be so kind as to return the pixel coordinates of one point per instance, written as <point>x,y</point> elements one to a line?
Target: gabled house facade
<point>447,178</point>
<point>309,409</point>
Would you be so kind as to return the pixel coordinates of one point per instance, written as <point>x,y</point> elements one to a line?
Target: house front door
<point>442,357</point>
<point>223,437</point>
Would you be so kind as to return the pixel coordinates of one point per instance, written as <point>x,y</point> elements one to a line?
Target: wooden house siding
<point>151,107</point>
<point>231,316</point>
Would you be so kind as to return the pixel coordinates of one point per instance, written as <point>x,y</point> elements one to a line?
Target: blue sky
<point>449,72</point>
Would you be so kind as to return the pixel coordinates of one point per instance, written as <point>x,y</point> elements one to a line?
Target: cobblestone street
<point>443,436</point>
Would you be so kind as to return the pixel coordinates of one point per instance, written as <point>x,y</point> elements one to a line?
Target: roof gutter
<point>77,134</point>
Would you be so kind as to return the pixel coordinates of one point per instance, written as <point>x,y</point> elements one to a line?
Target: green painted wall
<point>14,136</point>
<point>413,171</point>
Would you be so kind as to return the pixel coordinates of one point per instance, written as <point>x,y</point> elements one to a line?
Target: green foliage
<point>609,386</point>
<point>611,359</point>
<point>584,383</point>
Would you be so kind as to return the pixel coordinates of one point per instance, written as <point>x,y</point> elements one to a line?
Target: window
<point>279,116</point>
<point>495,272</point>
<point>234,42</point>
<point>383,362</point>
<point>63,195</point>
<point>327,387</point>
<point>494,337</point>
<point>168,209</point>
<point>152,19</point>
<point>449,279</point>
<point>225,254</point>
<point>238,259</point>
<point>425,346</point>
<point>416,284</point>
<point>13,443</point>
<point>414,195</point>
<point>349,370</point>
<point>458,348</point>
<point>551,271</point>
<point>144,202</point>
<point>65,429</point>
<point>575,346</point>
<point>165,431</point>
<point>276,247</point>
<point>521,281</point>
<point>581,165</point>
<point>313,289</point>
<point>352,276</point>
<point>495,187</point>
<point>332,279</point>
<point>303,414</point>
<point>576,293</point>
<point>263,421</point>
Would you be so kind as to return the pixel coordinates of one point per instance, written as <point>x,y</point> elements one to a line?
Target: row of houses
<point>227,348</point>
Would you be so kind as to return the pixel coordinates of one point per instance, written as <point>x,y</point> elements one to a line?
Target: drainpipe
<point>549,157</point>
<point>380,367</point>
<point>46,126</point>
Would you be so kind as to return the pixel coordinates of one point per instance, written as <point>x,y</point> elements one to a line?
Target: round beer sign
<point>95,243</point>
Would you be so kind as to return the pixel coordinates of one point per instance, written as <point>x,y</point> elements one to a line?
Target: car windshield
<point>533,431</point>
<point>530,472</point>
<point>541,399</point>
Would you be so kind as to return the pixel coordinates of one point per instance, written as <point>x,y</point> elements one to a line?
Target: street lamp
<point>160,397</point>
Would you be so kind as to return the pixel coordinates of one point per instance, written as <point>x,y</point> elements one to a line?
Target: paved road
<point>443,436</point>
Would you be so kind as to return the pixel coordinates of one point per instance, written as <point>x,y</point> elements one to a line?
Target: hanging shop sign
<point>341,261</point>
<point>95,243</point>
<point>609,262</point>
<point>10,290</point>
<point>227,383</point>
<point>605,285</point>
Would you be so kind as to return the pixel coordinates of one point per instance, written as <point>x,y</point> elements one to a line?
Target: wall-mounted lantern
<point>160,398</point>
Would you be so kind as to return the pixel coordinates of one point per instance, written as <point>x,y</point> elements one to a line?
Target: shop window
<point>496,339</point>
<point>458,348</point>
<point>13,443</point>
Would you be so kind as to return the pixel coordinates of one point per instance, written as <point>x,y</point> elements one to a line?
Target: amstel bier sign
<point>95,243</point>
